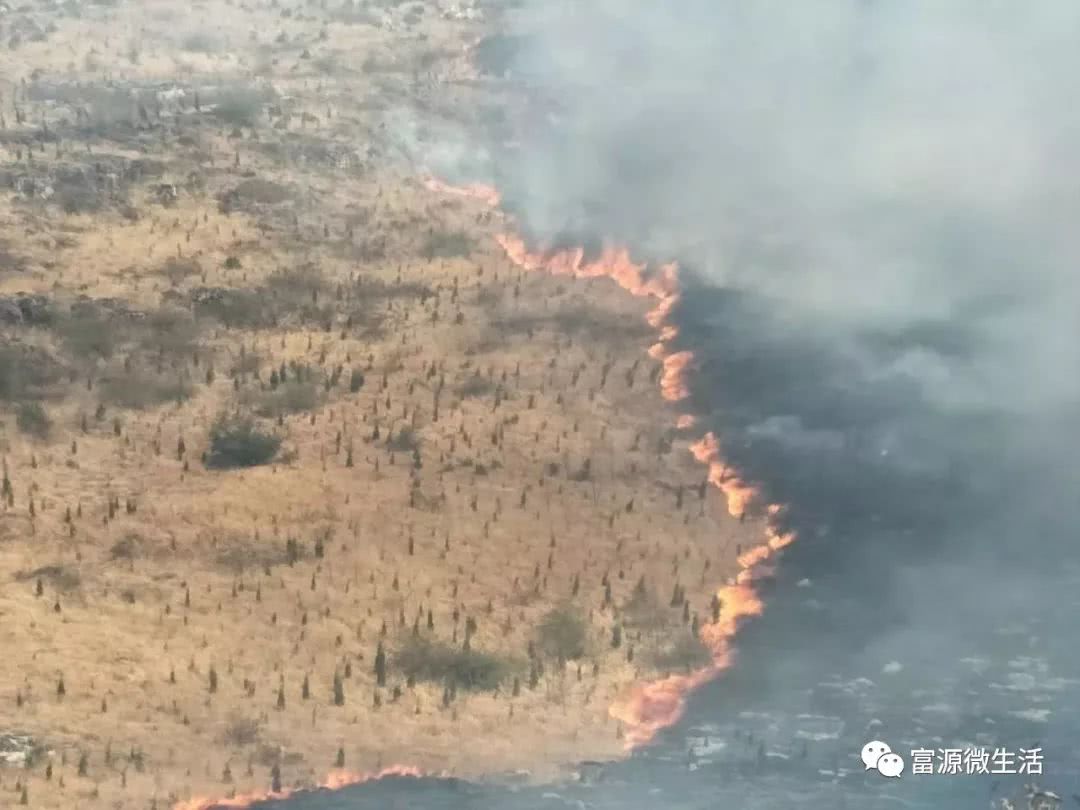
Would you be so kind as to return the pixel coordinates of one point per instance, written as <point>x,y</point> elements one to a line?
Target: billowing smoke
<point>877,204</point>
<point>873,165</point>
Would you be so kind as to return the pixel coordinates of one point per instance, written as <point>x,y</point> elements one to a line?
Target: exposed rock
<point>34,187</point>
<point>15,749</point>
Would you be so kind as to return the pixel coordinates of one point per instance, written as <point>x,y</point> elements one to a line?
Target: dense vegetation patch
<point>237,441</point>
<point>426,660</point>
<point>561,634</point>
<point>32,419</point>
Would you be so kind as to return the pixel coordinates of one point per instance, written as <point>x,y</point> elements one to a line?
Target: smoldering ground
<point>874,207</point>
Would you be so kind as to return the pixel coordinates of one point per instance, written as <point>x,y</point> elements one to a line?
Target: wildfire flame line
<point>655,705</point>
<point>336,780</point>
<point>478,191</point>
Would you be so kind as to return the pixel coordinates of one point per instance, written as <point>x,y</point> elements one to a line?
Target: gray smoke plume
<point>868,164</point>
<point>893,182</point>
<point>876,204</point>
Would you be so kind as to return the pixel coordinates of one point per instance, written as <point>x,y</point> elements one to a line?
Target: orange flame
<point>673,385</point>
<point>616,264</point>
<point>477,191</point>
<point>685,421</point>
<point>649,707</point>
<point>335,780</point>
<point>739,494</point>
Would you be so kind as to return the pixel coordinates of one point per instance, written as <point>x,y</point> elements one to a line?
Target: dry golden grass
<point>130,571</point>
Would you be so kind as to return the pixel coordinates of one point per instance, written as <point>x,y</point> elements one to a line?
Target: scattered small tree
<point>380,665</point>
<point>339,690</point>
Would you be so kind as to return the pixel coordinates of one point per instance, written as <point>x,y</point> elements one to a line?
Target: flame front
<point>685,421</point>
<point>335,780</point>
<point>477,191</point>
<point>649,707</point>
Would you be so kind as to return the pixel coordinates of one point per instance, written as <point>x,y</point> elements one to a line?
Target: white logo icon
<point>891,765</point>
<point>877,756</point>
<point>872,752</point>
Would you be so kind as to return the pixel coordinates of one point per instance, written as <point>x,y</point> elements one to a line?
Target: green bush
<point>126,548</point>
<point>259,191</point>
<point>62,577</point>
<point>170,332</point>
<point>293,396</point>
<point>26,371</point>
<point>139,389</point>
<point>238,442</point>
<point>447,245</point>
<point>91,334</point>
<point>32,419</point>
<point>296,282</point>
<point>404,441</point>
<point>356,381</point>
<point>177,268</point>
<point>10,262</point>
<point>241,105</point>
<point>233,308</point>
<point>427,660</point>
<point>561,634</point>
<point>475,386</point>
